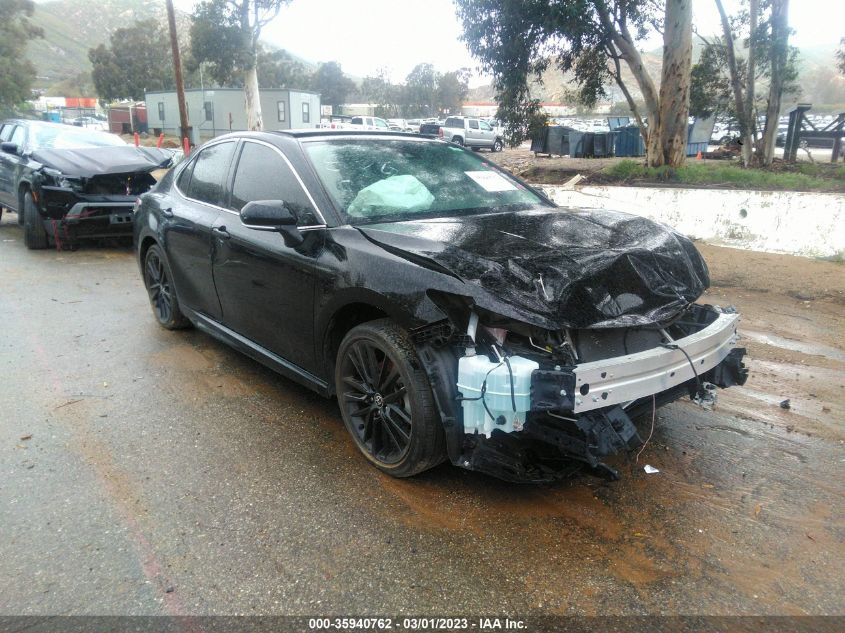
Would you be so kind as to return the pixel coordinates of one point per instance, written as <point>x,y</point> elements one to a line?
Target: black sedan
<point>68,184</point>
<point>455,312</point>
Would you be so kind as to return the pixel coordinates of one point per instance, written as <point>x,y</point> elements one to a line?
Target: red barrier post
<point>186,146</point>
<point>160,140</point>
<point>137,139</point>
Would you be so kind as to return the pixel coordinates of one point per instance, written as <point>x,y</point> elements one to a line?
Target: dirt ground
<point>152,472</point>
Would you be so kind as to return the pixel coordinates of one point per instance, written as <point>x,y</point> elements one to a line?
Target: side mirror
<point>272,215</point>
<point>9,148</point>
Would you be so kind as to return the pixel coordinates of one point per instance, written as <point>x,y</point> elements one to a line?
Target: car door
<point>9,164</point>
<point>188,222</point>
<point>487,133</point>
<point>473,133</point>
<point>266,288</point>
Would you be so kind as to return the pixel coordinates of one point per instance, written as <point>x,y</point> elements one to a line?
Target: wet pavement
<point>152,472</point>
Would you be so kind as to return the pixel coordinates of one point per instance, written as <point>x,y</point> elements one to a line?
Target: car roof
<point>328,133</point>
<point>62,126</point>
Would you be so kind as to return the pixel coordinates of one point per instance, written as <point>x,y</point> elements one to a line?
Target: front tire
<point>386,401</point>
<point>497,145</point>
<point>158,281</point>
<point>34,233</point>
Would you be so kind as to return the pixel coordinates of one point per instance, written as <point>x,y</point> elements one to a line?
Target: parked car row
<point>454,312</point>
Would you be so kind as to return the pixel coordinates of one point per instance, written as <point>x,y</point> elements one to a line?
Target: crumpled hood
<point>576,268</point>
<point>93,161</point>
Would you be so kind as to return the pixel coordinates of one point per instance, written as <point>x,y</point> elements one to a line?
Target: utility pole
<point>177,72</point>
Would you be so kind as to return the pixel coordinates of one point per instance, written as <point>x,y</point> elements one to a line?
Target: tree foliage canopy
<point>224,35</point>
<point>137,59</point>
<point>425,92</point>
<point>332,84</point>
<point>517,40</point>
<point>16,72</point>
<point>279,69</point>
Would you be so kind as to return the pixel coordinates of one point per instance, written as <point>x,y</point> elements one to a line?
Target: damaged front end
<point>526,404</point>
<point>80,198</point>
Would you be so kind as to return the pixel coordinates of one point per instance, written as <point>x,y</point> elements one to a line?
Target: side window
<point>356,120</point>
<point>306,112</point>
<point>381,123</point>
<point>184,180</point>
<point>6,132</point>
<point>19,136</point>
<point>208,107</point>
<point>485,127</point>
<point>473,124</point>
<point>209,172</point>
<point>262,174</point>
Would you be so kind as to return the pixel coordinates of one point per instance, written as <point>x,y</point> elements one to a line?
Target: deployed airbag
<point>396,194</point>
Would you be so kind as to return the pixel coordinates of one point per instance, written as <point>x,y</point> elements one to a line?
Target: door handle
<point>221,232</point>
<point>167,213</point>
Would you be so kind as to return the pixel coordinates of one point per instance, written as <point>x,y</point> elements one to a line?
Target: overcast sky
<point>365,35</point>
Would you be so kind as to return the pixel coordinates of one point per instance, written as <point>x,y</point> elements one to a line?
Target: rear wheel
<point>34,233</point>
<point>497,145</point>
<point>457,140</point>
<point>386,401</point>
<point>159,284</point>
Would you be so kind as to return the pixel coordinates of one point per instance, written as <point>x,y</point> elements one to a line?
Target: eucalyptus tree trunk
<point>743,103</point>
<point>252,101</point>
<point>249,36</point>
<point>668,139</point>
<point>748,112</point>
<point>780,61</point>
<point>667,109</point>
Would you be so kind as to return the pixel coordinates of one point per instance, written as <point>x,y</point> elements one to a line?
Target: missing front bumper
<point>624,379</point>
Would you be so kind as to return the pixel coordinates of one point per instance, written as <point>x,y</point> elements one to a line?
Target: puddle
<point>814,349</point>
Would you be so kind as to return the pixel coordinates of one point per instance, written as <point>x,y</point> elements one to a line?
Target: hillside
<point>71,27</point>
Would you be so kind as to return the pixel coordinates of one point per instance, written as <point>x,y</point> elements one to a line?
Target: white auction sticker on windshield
<point>491,181</point>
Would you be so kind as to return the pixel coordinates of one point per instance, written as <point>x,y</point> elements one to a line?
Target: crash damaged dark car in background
<point>69,184</point>
<point>453,311</point>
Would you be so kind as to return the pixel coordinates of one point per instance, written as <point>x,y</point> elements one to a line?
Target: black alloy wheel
<point>386,404</point>
<point>157,279</point>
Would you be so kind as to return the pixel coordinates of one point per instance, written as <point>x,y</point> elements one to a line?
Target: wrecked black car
<point>453,311</point>
<point>68,184</point>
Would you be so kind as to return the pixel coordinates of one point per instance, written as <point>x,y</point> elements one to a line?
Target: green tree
<point>332,84</point>
<point>710,91</point>
<point>452,88</point>
<point>421,91</point>
<point>726,76</point>
<point>840,56</point>
<point>379,90</point>
<point>16,72</point>
<point>782,75</point>
<point>278,69</point>
<point>224,34</point>
<point>137,59</point>
<point>518,40</point>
